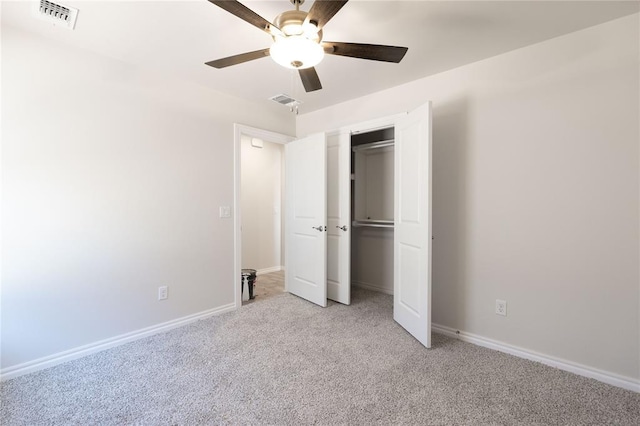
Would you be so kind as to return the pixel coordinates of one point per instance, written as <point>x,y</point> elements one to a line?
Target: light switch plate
<point>225,211</point>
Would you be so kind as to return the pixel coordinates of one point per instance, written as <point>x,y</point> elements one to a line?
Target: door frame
<point>240,130</point>
<point>372,125</point>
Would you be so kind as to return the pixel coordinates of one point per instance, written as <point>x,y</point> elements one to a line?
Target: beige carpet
<point>285,361</point>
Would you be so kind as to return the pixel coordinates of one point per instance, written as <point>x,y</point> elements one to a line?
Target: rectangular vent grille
<point>285,100</point>
<point>58,14</point>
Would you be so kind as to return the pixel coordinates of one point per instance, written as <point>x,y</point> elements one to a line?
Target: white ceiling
<point>178,37</point>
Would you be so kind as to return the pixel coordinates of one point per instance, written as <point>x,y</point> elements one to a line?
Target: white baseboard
<point>79,352</point>
<point>269,270</point>
<point>372,287</point>
<point>572,367</point>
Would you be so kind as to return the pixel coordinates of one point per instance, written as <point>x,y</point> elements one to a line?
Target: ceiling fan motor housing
<point>291,23</point>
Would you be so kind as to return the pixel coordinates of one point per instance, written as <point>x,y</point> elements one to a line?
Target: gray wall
<point>535,193</point>
<point>112,178</point>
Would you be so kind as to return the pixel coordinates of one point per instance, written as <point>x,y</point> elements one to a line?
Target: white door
<point>412,231</point>
<point>305,227</point>
<point>339,217</point>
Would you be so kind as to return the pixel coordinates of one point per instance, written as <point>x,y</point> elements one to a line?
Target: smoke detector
<point>57,14</point>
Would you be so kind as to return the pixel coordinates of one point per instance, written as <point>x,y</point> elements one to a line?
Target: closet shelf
<point>372,223</point>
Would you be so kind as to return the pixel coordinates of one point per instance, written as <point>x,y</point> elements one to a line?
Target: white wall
<point>261,205</point>
<point>112,178</point>
<point>535,193</point>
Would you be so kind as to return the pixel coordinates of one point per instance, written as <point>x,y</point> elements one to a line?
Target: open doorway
<point>259,211</point>
<point>261,203</point>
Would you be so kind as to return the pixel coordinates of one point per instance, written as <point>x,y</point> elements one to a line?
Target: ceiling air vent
<point>57,14</point>
<point>286,100</point>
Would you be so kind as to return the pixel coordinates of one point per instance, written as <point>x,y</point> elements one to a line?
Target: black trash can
<point>250,276</point>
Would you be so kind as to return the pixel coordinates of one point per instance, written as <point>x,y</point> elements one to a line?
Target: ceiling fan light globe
<point>296,52</point>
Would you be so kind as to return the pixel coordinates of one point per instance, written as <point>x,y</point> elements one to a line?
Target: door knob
<point>317,228</point>
<point>343,227</point>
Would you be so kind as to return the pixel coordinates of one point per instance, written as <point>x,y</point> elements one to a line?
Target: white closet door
<point>305,227</point>
<point>339,217</point>
<point>412,232</point>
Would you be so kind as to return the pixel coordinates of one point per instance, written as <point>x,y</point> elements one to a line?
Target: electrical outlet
<point>501,307</point>
<point>163,292</point>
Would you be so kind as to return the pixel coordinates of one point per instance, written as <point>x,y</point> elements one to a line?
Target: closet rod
<point>373,224</point>
<point>373,145</point>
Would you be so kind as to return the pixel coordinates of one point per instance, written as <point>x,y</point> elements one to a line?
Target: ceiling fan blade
<point>238,59</point>
<point>374,52</point>
<point>323,10</point>
<point>243,12</point>
<point>310,79</point>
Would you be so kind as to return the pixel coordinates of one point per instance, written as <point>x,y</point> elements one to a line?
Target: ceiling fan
<point>297,40</point>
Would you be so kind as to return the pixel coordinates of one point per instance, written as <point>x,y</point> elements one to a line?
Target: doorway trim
<point>240,130</point>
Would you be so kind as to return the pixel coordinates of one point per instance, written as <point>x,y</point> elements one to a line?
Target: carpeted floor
<point>285,361</point>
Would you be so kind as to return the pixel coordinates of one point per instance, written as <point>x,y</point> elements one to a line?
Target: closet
<point>372,182</point>
<point>358,210</point>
